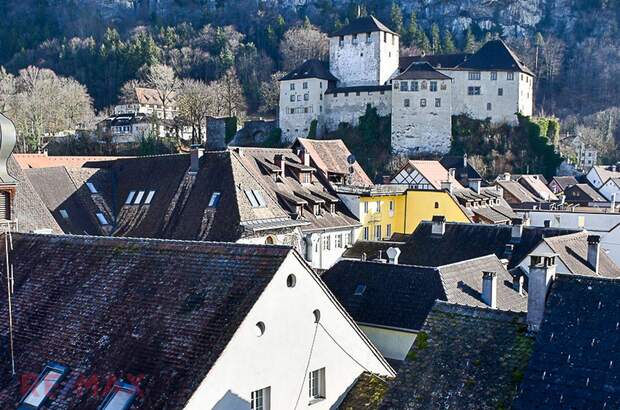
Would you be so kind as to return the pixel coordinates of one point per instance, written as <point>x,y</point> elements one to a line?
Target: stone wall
<point>348,107</point>
<point>422,120</point>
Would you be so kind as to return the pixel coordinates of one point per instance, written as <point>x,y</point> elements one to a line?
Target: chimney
<point>280,162</point>
<point>489,289</point>
<point>547,223</point>
<point>612,204</point>
<point>506,176</point>
<point>594,251</point>
<point>439,225</point>
<point>508,250</point>
<point>196,153</point>
<point>562,199</point>
<point>517,229</point>
<point>542,272</point>
<point>216,134</point>
<point>446,186</point>
<point>517,284</point>
<point>304,157</point>
<point>465,160</point>
<point>393,253</point>
<point>475,184</point>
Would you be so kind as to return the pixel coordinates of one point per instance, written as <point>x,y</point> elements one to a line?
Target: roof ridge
<point>491,255</point>
<point>599,278</point>
<point>479,312</point>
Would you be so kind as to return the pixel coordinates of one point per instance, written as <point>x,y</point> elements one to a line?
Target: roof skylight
<point>49,378</point>
<point>256,198</point>
<point>359,290</point>
<point>120,397</point>
<point>102,219</point>
<point>138,198</point>
<point>91,188</point>
<point>130,197</point>
<point>215,199</point>
<point>64,214</point>
<point>149,197</point>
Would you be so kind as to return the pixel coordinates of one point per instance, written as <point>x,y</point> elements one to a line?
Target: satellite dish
<point>351,159</point>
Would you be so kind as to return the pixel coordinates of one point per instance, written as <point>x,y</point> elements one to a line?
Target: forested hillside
<point>572,45</point>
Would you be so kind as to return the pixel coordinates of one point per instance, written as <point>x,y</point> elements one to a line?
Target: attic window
<point>138,198</point>
<point>256,198</point>
<point>51,376</point>
<point>215,199</point>
<point>64,214</point>
<point>149,197</point>
<point>120,397</point>
<point>130,197</point>
<point>91,188</point>
<point>359,290</point>
<point>101,218</point>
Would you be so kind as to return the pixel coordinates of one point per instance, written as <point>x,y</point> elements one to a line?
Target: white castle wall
<point>418,129</point>
<point>348,107</point>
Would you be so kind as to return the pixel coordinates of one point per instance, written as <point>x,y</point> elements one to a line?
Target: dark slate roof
<point>584,193</point>
<point>573,252</point>
<point>398,296</point>
<point>437,61</point>
<point>401,296</point>
<point>366,24</point>
<point>358,88</point>
<point>29,209</point>
<point>366,393</point>
<point>463,169</point>
<point>59,192</point>
<point>463,241</point>
<point>575,359</point>
<point>564,181</point>
<point>495,55</point>
<point>109,306</point>
<point>421,71</point>
<point>465,358</point>
<point>311,69</point>
<point>371,249</point>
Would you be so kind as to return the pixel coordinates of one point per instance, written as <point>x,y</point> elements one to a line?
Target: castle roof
<point>367,24</point>
<point>421,71</point>
<point>311,69</point>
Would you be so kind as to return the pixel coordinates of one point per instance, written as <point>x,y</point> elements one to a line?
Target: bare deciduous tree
<point>193,103</point>
<point>270,93</point>
<point>163,79</point>
<point>231,94</point>
<point>303,43</point>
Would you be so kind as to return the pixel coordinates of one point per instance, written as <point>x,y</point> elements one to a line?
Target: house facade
<point>421,93</point>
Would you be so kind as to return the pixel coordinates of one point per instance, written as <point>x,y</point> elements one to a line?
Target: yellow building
<point>385,210</point>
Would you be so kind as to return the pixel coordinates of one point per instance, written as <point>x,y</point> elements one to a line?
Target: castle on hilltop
<point>420,92</point>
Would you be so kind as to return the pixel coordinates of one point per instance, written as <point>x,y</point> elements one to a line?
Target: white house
<point>611,189</point>
<point>599,174</point>
<point>205,326</point>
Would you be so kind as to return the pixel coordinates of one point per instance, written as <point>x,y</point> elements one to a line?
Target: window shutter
<point>5,205</point>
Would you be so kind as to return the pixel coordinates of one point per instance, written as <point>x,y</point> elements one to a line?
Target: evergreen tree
<point>422,42</point>
<point>412,30</point>
<point>470,42</point>
<point>448,42</point>
<point>397,19</point>
<point>435,39</point>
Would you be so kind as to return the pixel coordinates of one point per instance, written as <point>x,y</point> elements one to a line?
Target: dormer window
<point>305,177</point>
<point>120,397</point>
<point>332,208</point>
<point>48,380</point>
<point>316,209</point>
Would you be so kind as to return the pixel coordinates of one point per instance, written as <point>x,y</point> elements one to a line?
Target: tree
<point>232,98</point>
<point>435,39</point>
<point>193,104</point>
<point>162,78</point>
<point>7,88</point>
<point>270,93</point>
<point>303,43</point>
<point>397,18</point>
<point>128,92</point>
<point>412,30</point>
<point>448,42</point>
<point>470,42</point>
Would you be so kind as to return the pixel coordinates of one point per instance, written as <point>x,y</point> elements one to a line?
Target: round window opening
<point>260,329</point>
<point>317,315</point>
<point>291,281</point>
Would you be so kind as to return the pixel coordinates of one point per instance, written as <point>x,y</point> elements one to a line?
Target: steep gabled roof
<point>162,311</point>
<point>574,363</point>
<point>538,187</point>
<point>433,172</point>
<point>585,192</point>
<point>564,182</point>
<point>367,24</point>
<point>517,191</point>
<point>465,358</point>
<point>311,69</point>
<point>437,61</point>
<point>370,250</point>
<point>421,71</point>
<point>495,55</point>
<point>148,96</point>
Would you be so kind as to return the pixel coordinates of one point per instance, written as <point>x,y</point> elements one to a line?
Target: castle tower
<point>363,53</point>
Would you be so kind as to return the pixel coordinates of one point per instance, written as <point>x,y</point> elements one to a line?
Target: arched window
<point>436,205</point>
<point>291,281</point>
<point>260,329</point>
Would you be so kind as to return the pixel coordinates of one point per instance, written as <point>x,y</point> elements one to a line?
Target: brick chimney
<point>542,272</point>
<point>280,162</point>
<point>489,289</point>
<point>197,151</point>
<point>393,254</point>
<point>439,225</point>
<point>594,252</point>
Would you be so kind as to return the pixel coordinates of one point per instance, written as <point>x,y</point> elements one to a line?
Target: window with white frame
<point>500,91</point>
<point>433,86</point>
<point>438,102</point>
<point>292,87</point>
<point>510,76</point>
<point>378,232</point>
<point>365,207</point>
<point>474,75</point>
<point>415,86</point>
<point>366,234</point>
<point>391,207</point>
<point>406,103</point>
<point>388,230</point>
<point>422,102</point>
<point>368,37</point>
<point>493,75</point>
<point>378,206</point>
<point>347,238</point>
<point>292,97</point>
<point>305,85</point>
<point>338,241</point>
<point>261,399</point>
<point>316,385</point>
<point>404,86</point>
<point>473,90</point>
<point>327,242</point>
